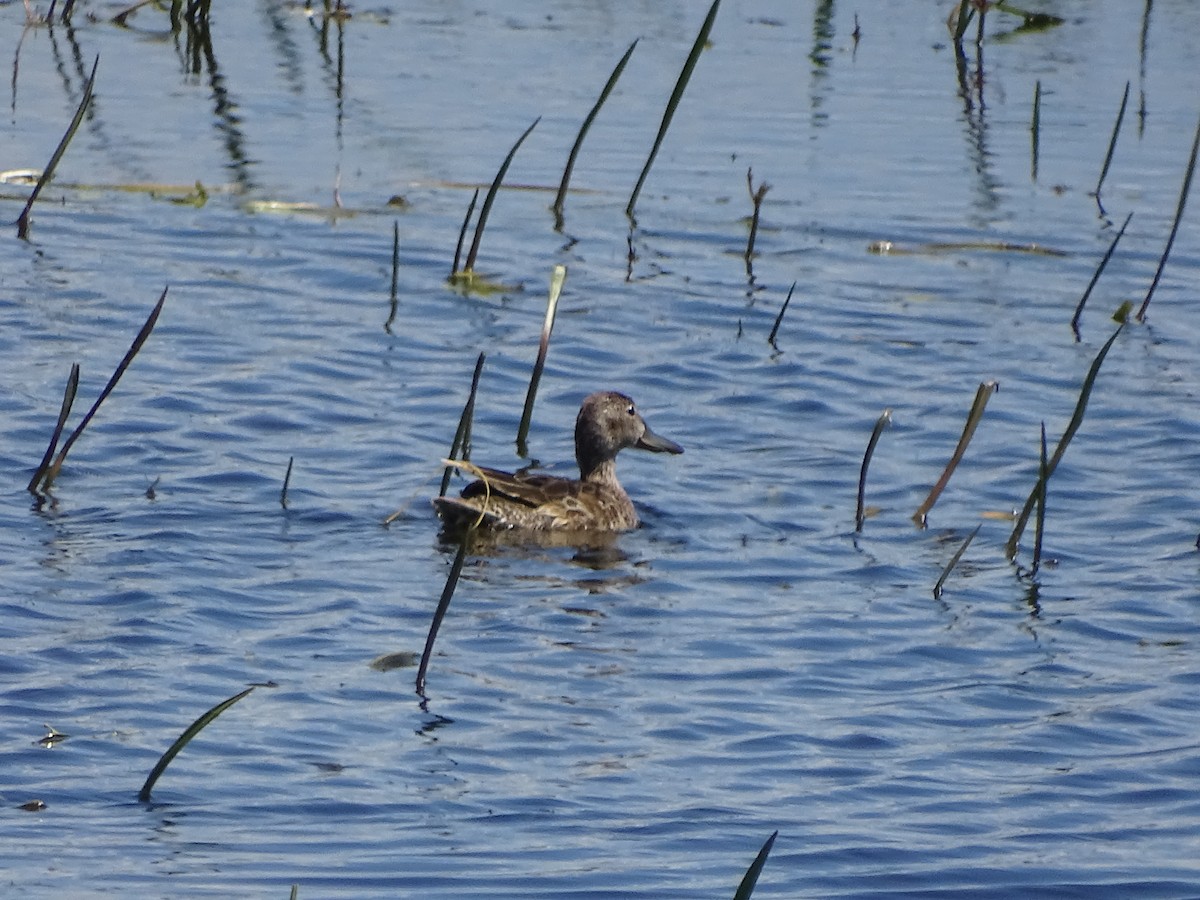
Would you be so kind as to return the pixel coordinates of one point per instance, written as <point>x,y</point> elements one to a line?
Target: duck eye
<point>631,410</point>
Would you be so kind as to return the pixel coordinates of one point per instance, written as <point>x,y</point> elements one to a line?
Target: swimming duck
<point>607,423</point>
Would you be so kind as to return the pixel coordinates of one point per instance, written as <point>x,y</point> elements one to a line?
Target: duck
<point>608,422</point>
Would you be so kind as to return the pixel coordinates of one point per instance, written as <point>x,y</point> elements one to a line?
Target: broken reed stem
<point>676,95</point>
<point>287,478</point>
<point>756,198</point>
<point>1010,549</point>
<point>53,470</point>
<point>490,197</point>
<point>462,233</point>
<point>982,395</point>
<point>48,173</point>
<point>65,410</point>
<point>882,422</point>
<point>180,742</point>
<point>1040,520</point>
<point>1096,277</point>
<point>556,285</point>
<point>779,318</point>
<point>958,554</point>
<point>462,436</point>
<point>1035,128</point>
<point>561,196</point>
<point>1112,145</point>
<point>1183,195</point>
<point>443,604</point>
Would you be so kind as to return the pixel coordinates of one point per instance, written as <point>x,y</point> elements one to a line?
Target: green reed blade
<point>52,472</point>
<point>1010,549</point>
<point>48,173</point>
<point>963,19</point>
<point>779,318</point>
<point>958,554</point>
<point>443,604</point>
<point>882,422</point>
<point>1183,195</point>
<point>491,196</point>
<point>1112,145</point>
<point>561,196</point>
<point>182,741</point>
<point>462,233</point>
<point>1035,129</point>
<point>982,395</point>
<point>462,435</point>
<point>676,95</point>
<point>1039,521</point>
<point>556,285</point>
<point>287,479</point>
<point>1096,276</point>
<point>68,401</point>
<point>750,879</point>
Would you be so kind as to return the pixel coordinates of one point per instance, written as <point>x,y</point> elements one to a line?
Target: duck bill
<point>657,444</point>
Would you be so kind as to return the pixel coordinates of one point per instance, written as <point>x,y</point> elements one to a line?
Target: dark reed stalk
<point>443,604</point>
<point>883,421</point>
<point>1183,195</point>
<point>182,741</point>
<point>1010,549</point>
<point>287,478</point>
<point>750,879</point>
<point>462,435</point>
<point>395,276</point>
<point>1112,146</point>
<point>756,198</point>
<point>982,395</point>
<point>1096,277</point>
<point>961,21</point>
<point>958,554</point>
<point>779,318</point>
<point>556,284</point>
<point>65,410</point>
<point>1035,128</point>
<point>676,95</point>
<point>48,173</point>
<point>52,471</point>
<point>491,196</point>
<point>561,196</point>
<point>462,234</point>
<point>1040,520</point>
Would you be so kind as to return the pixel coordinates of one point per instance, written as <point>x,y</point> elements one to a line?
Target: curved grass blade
<point>1112,146</point>
<point>882,422</point>
<point>491,196</point>
<point>462,435</point>
<point>556,284</point>
<point>65,410</point>
<point>1040,521</point>
<point>443,604</point>
<point>462,234</point>
<point>52,472</point>
<point>779,318</point>
<point>287,479</point>
<point>583,130</point>
<point>1183,195</point>
<point>937,588</point>
<point>182,741</point>
<point>1096,276</point>
<point>676,95</point>
<point>48,173</point>
<point>750,879</point>
<point>1010,549</point>
<point>982,395</point>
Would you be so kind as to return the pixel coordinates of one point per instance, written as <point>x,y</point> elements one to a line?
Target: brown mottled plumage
<point>607,423</point>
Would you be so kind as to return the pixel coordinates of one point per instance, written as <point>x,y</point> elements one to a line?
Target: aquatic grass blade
<point>462,435</point>
<point>1040,520</point>
<point>490,197</point>
<point>443,604</point>
<point>982,395</point>
<point>779,318</point>
<point>462,234</point>
<point>561,196</point>
<point>1035,129</point>
<point>756,199</point>
<point>1112,146</point>
<point>676,95</point>
<point>393,296</point>
<point>65,410</point>
<point>287,480</point>
<point>1085,392</point>
<point>750,879</point>
<point>882,422</point>
<point>556,285</point>
<point>958,554</point>
<point>1183,195</point>
<point>1096,276</point>
<point>138,341</point>
<point>182,741</point>
<point>48,173</point>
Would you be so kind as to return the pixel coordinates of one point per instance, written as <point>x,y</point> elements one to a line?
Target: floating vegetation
<point>882,422</point>
<point>556,285</point>
<point>982,395</point>
<point>890,248</point>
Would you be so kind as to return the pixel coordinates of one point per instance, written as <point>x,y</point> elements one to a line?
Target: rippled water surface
<point>633,724</point>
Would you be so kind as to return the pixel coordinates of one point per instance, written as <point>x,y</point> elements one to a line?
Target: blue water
<point>634,725</point>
